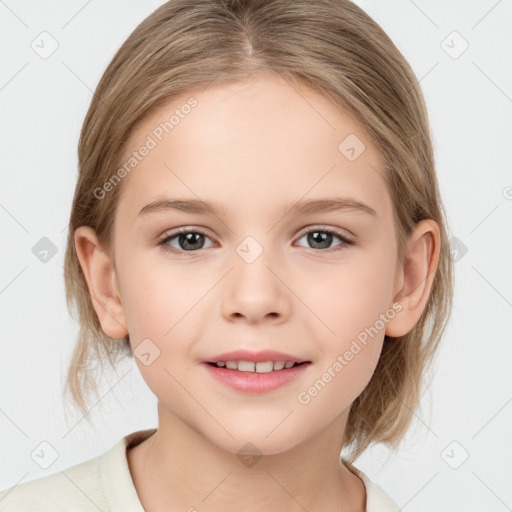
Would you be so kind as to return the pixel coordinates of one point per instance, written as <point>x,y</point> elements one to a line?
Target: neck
<point>178,468</point>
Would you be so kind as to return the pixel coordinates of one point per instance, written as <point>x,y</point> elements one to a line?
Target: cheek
<point>162,307</point>
<point>349,297</point>
<point>349,354</point>
<point>156,295</point>
<point>353,305</point>
<point>159,306</point>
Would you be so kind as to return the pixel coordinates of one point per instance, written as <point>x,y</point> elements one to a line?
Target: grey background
<point>465,413</point>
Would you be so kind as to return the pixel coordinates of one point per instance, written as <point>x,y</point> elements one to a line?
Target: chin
<point>257,443</point>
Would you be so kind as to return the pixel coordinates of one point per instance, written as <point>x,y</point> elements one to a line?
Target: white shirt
<point>105,484</point>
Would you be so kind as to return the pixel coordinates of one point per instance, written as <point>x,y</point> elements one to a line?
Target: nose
<point>256,291</point>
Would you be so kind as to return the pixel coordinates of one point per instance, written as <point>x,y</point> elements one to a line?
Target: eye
<point>323,238</point>
<point>188,241</point>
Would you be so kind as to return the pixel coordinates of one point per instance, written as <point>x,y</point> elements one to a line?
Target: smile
<point>255,378</point>
<point>259,367</point>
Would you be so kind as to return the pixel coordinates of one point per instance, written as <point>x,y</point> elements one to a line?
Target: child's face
<point>254,149</point>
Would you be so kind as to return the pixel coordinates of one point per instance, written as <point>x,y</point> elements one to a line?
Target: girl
<point>290,142</point>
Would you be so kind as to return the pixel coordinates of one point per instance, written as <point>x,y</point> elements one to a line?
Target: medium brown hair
<point>330,46</point>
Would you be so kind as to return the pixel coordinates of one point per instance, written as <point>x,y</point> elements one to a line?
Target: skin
<point>254,147</point>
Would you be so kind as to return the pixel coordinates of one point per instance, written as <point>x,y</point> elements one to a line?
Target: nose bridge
<point>250,249</point>
<point>254,289</point>
<point>253,260</point>
<point>255,237</point>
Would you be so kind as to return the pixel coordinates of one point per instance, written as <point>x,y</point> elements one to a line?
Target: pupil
<point>320,237</point>
<point>187,240</point>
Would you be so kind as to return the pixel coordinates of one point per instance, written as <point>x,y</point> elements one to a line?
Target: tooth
<point>260,367</point>
<point>265,367</point>
<point>246,366</point>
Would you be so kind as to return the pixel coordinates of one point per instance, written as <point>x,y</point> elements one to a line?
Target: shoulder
<point>377,500</point>
<point>75,488</point>
<point>102,484</point>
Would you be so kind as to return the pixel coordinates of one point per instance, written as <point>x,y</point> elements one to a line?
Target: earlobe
<point>101,280</point>
<point>417,276</point>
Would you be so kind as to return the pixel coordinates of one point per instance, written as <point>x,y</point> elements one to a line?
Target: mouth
<point>263,375</point>
<point>257,366</point>
<point>263,361</point>
<point>251,372</point>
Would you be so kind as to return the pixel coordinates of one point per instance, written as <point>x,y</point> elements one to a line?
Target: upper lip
<point>261,356</point>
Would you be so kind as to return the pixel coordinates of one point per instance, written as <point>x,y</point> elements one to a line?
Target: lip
<point>257,357</point>
<point>253,382</point>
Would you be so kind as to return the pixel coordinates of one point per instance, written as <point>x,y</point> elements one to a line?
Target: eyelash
<point>168,237</point>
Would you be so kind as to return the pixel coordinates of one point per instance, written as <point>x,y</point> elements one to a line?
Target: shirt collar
<point>121,495</point>
<point>115,477</point>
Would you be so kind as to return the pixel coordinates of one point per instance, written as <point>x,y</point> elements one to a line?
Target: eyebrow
<point>305,207</point>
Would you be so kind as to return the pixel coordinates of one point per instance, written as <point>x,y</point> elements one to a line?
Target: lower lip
<point>253,382</point>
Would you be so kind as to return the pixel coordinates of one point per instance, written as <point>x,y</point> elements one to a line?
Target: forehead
<point>249,144</point>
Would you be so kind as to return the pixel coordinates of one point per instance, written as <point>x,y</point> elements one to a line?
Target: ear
<point>414,279</point>
<point>101,279</point>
